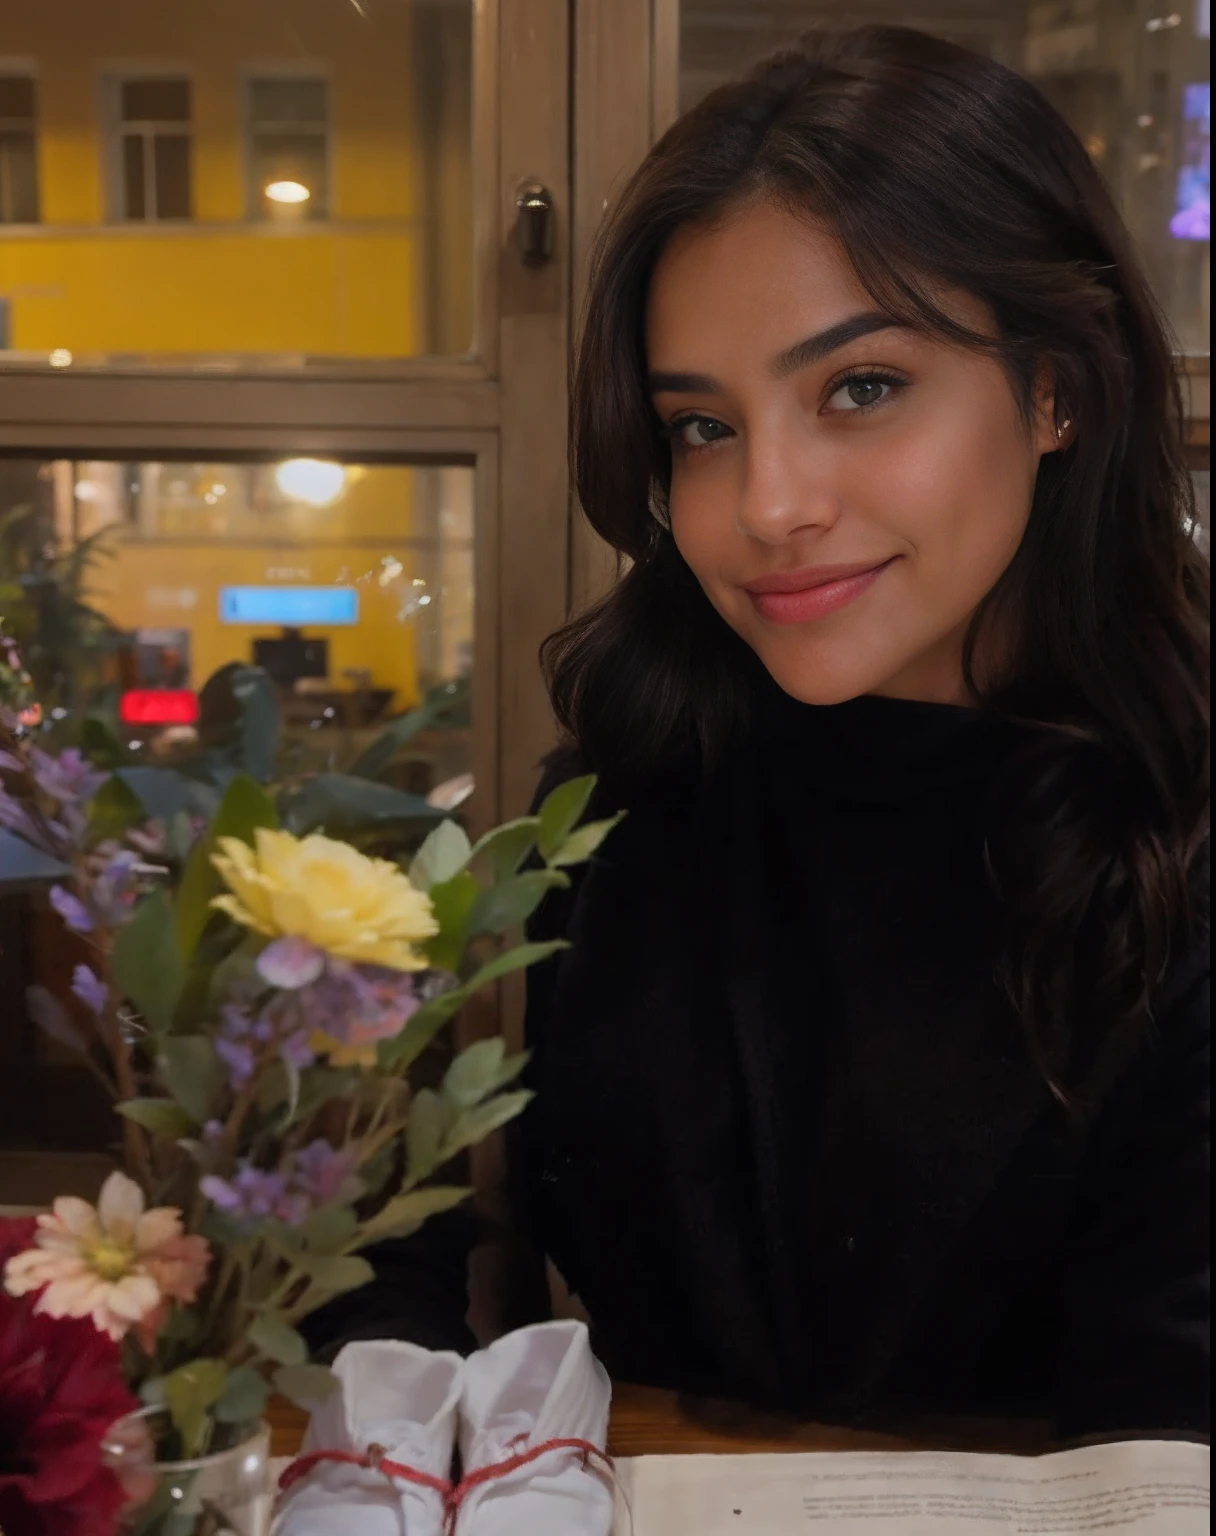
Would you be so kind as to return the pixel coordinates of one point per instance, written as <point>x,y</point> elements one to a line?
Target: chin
<point>818,681</point>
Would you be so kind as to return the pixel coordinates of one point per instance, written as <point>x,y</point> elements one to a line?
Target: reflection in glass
<point>254,181</point>
<point>350,585</point>
<point>1130,76</point>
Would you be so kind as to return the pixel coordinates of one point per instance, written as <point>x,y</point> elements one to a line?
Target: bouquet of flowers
<point>256,1000</point>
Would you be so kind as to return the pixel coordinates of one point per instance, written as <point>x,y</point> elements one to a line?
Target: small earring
<point>1063,427</point>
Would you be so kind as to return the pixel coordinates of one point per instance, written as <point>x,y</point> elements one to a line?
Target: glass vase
<point>228,1492</point>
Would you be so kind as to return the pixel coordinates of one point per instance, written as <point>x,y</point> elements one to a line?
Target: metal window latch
<point>534,226</point>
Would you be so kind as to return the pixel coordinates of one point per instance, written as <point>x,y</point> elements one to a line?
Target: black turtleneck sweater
<point>788,1143</point>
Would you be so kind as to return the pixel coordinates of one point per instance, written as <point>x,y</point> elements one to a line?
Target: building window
<point>18,153</point>
<point>288,149</point>
<point>153,168</point>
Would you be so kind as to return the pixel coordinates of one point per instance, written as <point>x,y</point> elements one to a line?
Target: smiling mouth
<point>798,597</point>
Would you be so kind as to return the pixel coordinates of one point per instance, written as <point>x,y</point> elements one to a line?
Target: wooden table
<point>649,1422</point>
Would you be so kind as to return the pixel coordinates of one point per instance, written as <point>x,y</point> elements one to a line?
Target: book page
<point>1133,1488</point>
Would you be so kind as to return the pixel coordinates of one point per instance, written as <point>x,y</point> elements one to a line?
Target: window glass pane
<point>1130,76</point>
<point>287,101</point>
<point>370,103</point>
<point>16,96</point>
<point>18,179</point>
<point>134,200</point>
<point>171,159</point>
<point>155,101</point>
<point>137,591</point>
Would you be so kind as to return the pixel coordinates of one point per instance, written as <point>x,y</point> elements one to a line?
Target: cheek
<point>703,519</point>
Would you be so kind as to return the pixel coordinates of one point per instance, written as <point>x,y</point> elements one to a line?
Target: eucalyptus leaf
<point>147,963</point>
<point>338,1272</point>
<point>161,1116</point>
<point>189,1392</point>
<point>506,847</point>
<point>244,808</point>
<point>424,1132</point>
<point>243,1399</point>
<point>404,1214</point>
<point>475,1124</point>
<point>473,1072</point>
<point>452,902</point>
<point>165,794</point>
<point>329,1228</point>
<point>560,813</point>
<point>513,900</point>
<point>305,1385</point>
<point>443,855</point>
<point>271,1335</point>
<point>53,1019</point>
<point>584,841</point>
<point>193,1074</point>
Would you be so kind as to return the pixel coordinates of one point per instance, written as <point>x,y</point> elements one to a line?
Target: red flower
<point>61,1388</point>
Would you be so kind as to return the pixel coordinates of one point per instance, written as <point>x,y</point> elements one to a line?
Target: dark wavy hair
<point>938,168</point>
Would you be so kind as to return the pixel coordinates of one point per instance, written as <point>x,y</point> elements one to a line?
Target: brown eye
<point>864,391</point>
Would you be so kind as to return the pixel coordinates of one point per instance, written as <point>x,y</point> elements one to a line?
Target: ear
<point>1051,431</point>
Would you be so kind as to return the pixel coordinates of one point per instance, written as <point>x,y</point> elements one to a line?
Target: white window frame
<point>117,129</point>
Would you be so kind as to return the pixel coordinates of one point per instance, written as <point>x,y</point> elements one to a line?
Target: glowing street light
<point>287,192</point>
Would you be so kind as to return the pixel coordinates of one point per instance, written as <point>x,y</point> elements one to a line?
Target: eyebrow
<point>801,355</point>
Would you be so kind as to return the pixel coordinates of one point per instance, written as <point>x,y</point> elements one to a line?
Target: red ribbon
<point>453,1494</point>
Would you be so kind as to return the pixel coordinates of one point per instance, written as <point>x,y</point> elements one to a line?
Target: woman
<point>876,1074</point>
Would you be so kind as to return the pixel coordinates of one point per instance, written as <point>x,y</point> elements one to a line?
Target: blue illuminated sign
<point>291,606</point>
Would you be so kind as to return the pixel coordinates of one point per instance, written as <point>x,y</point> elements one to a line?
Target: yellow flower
<point>327,893</point>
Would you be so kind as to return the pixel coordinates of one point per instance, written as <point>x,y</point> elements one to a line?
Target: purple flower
<point>254,1194</point>
<point>90,989</point>
<point>71,909</point>
<point>291,963</point>
<point>69,778</point>
<point>234,1045</point>
<point>16,818</point>
<point>116,883</point>
<point>323,1174</point>
<point>297,1052</point>
<point>360,1004</point>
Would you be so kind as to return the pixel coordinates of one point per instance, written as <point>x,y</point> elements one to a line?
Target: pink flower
<point>119,1264</point>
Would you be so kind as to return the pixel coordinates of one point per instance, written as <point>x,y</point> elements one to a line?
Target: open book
<point>1132,1488</point>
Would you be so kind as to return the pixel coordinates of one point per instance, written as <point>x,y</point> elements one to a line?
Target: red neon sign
<point>158,706</point>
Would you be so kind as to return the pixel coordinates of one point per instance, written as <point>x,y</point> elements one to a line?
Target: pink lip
<point>797,597</point>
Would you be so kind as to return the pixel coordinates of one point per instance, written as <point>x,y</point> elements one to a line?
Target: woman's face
<point>846,490</point>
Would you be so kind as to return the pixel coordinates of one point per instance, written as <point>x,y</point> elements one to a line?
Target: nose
<point>789,486</point>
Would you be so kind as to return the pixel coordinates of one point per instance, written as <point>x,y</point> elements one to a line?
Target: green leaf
<point>583,841</point>
<point>452,902</point>
<point>305,1385</point>
<point>506,847</point>
<point>442,856</point>
<point>560,813</point>
<point>513,901</point>
<point>245,807</point>
<point>424,1132</point>
<point>472,1074</point>
<point>329,1228</point>
<point>318,1085</point>
<point>189,1392</point>
<point>147,963</point>
<point>476,1124</point>
<point>340,802</point>
<point>372,762</point>
<point>404,1214</point>
<point>99,743</point>
<point>192,1073</point>
<point>397,1053</point>
<point>164,793</point>
<point>271,1335</point>
<point>343,1272</point>
<point>243,1400</point>
<point>161,1116</point>
<point>113,809</point>
<point>255,693</point>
